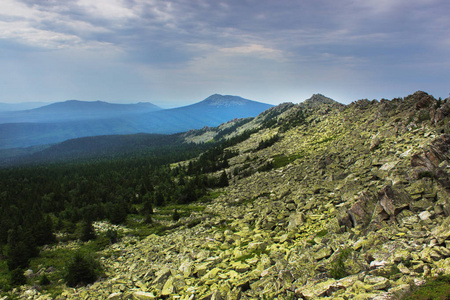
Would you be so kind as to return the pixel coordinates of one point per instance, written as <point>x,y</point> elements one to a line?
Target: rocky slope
<point>349,202</point>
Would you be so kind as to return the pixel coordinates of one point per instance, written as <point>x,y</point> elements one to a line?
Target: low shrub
<point>82,269</point>
<point>338,270</point>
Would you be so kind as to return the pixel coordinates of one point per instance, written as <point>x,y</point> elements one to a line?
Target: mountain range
<point>71,119</point>
<point>72,110</point>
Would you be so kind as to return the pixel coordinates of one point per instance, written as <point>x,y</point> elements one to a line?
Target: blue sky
<point>174,53</point>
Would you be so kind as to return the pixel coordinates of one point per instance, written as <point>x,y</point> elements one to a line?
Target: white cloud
<point>22,32</point>
<point>108,9</point>
<point>12,8</point>
<point>46,28</point>
<point>255,50</point>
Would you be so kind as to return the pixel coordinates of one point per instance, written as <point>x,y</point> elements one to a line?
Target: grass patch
<point>324,140</point>
<point>338,270</point>
<point>435,289</point>
<point>211,196</point>
<point>282,160</point>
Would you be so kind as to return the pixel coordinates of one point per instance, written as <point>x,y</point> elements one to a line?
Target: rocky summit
<point>324,201</point>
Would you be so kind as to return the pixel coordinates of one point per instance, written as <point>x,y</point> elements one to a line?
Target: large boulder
<point>393,201</point>
<point>360,214</point>
<point>427,163</point>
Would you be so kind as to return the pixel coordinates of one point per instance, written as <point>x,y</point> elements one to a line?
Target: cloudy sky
<point>179,52</point>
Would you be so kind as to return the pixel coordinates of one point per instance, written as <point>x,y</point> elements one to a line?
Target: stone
<point>296,220</point>
<point>139,295</point>
<point>240,267</point>
<point>360,214</point>
<point>393,201</point>
<point>234,294</point>
<point>257,246</point>
<point>162,275</point>
<point>115,296</point>
<point>403,269</point>
<point>429,255</point>
<point>442,232</point>
<point>402,255</point>
<point>186,268</point>
<point>168,288</point>
<point>324,252</point>
<point>425,215</point>
<point>377,264</point>
<point>314,290</point>
<point>374,143</point>
<point>400,291</point>
<point>443,251</point>
<point>377,282</point>
<point>201,269</point>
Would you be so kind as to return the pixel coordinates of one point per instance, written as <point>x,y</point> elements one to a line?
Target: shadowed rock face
<point>430,160</point>
<point>330,216</point>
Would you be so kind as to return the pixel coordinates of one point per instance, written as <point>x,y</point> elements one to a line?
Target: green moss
<point>338,269</point>
<point>322,233</point>
<point>425,174</point>
<point>324,140</point>
<point>282,160</point>
<point>434,289</point>
<point>253,253</point>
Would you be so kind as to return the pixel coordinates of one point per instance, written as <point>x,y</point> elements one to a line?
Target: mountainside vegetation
<point>305,201</point>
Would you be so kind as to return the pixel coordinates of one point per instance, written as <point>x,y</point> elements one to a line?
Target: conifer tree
<point>223,180</point>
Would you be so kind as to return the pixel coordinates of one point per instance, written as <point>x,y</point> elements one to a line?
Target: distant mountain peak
<point>98,105</point>
<point>225,100</point>
<point>319,99</point>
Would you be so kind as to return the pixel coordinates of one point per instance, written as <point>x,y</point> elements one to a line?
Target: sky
<point>174,53</point>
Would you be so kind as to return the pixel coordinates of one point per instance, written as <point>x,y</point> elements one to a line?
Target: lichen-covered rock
<point>314,290</point>
<point>139,295</point>
<point>377,282</point>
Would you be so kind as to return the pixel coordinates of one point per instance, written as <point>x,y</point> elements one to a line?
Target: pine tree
<point>175,215</point>
<point>223,180</point>
<point>87,231</point>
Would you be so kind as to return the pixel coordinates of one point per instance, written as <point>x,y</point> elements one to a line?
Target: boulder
<point>360,214</point>
<point>441,113</point>
<point>425,215</point>
<point>139,295</point>
<point>393,201</point>
<point>296,220</point>
<point>374,143</point>
<point>324,252</point>
<point>314,290</point>
<point>115,296</point>
<point>428,162</point>
<point>377,282</point>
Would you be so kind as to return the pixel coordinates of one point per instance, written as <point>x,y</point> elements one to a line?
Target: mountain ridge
<point>73,110</point>
<point>79,105</point>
